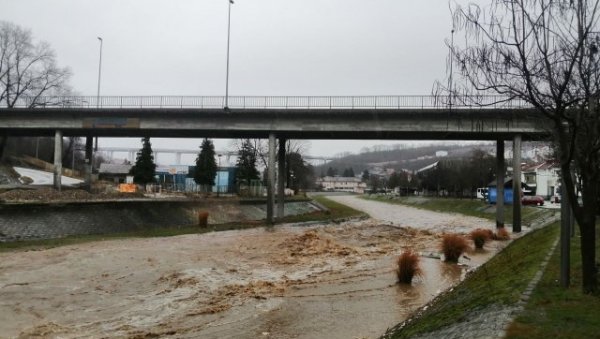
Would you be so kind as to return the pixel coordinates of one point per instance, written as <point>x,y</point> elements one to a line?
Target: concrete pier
<point>58,145</point>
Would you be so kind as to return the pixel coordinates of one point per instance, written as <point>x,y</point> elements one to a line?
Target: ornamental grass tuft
<point>408,267</point>
<point>480,236</point>
<point>453,246</point>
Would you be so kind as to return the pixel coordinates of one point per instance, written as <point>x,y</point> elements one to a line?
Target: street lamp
<point>99,74</point>
<point>451,64</point>
<point>97,105</point>
<point>227,70</point>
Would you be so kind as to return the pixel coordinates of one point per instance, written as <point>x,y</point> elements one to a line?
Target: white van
<point>482,193</point>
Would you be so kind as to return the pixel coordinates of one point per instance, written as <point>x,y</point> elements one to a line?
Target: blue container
<point>492,195</point>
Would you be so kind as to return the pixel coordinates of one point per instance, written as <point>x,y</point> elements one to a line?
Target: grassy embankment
<point>551,311</point>
<point>335,211</point>
<point>471,207</point>
<point>554,312</point>
<point>498,282</point>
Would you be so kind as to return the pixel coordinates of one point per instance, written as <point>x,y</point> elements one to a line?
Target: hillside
<point>410,159</point>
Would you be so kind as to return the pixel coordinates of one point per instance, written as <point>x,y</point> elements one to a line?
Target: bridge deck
<point>404,123</point>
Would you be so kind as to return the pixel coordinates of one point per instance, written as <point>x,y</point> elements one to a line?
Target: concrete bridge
<point>282,118</point>
<point>132,151</point>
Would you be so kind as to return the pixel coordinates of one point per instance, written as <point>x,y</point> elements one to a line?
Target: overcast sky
<point>278,47</point>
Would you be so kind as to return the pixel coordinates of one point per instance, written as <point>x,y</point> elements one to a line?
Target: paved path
<point>414,217</point>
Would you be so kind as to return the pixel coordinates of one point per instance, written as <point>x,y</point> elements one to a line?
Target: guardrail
<point>274,102</point>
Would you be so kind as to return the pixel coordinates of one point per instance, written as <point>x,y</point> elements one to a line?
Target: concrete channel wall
<point>46,221</point>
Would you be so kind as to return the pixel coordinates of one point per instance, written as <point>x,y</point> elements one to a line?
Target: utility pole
<point>227,69</point>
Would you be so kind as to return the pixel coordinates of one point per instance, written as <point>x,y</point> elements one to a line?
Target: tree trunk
<point>2,146</point>
<point>587,227</point>
<point>588,256</point>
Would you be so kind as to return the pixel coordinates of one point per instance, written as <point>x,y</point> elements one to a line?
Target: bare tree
<point>545,53</point>
<point>261,148</point>
<point>28,71</point>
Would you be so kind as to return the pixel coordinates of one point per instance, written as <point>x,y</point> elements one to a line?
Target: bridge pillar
<point>281,178</point>
<point>58,145</point>
<point>271,179</point>
<point>131,157</point>
<point>517,183</point>
<point>178,158</point>
<point>89,158</point>
<point>500,183</point>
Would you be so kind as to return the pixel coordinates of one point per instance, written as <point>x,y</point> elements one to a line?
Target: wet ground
<point>328,281</point>
<point>411,217</point>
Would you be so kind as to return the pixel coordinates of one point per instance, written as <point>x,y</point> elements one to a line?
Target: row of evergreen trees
<point>206,167</point>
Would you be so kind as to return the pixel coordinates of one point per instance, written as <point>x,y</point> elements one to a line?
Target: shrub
<point>502,234</point>
<point>408,267</point>
<point>203,219</point>
<point>480,236</point>
<point>453,246</point>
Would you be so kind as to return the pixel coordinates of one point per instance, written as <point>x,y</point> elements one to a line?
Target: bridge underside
<point>282,124</point>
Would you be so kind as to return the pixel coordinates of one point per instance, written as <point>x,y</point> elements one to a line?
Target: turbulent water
<point>328,281</point>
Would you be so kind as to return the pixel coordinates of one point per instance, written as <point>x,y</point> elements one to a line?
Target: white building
<point>542,177</point>
<point>342,184</point>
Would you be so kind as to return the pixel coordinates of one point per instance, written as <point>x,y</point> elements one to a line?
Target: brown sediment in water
<point>285,282</point>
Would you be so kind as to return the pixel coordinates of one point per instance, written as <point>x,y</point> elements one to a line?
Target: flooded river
<point>327,281</point>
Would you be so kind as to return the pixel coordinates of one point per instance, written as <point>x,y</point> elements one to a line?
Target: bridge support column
<point>89,158</point>
<point>281,178</point>
<point>500,183</point>
<point>271,179</point>
<point>178,158</point>
<point>517,184</point>
<point>58,145</point>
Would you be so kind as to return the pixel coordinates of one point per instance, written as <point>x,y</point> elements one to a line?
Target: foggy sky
<point>302,47</point>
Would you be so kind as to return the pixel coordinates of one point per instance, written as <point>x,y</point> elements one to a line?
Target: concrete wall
<point>45,221</point>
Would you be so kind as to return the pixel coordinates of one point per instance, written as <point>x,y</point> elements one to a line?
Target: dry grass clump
<point>480,236</point>
<point>408,267</point>
<point>453,246</point>
<point>203,219</point>
<point>501,234</point>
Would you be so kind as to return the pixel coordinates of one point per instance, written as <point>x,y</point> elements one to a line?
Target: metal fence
<point>275,102</point>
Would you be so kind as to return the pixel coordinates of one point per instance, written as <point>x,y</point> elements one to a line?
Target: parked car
<point>532,200</point>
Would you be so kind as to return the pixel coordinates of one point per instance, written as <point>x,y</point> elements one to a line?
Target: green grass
<point>336,211</point>
<point>499,281</point>
<point>471,207</point>
<point>554,312</point>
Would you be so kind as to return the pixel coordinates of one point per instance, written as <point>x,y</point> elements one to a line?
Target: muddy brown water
<point>327,281</point>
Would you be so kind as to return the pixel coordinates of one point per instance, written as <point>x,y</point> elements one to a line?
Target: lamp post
<point>98,92</point>
<point>227,69</point>
<point>451,64</point>
<point>99,74</point>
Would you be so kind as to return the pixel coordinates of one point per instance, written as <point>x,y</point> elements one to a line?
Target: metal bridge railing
<point>275,102</point>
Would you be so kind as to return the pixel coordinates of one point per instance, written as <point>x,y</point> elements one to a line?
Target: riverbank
<point>472,309</point>
<point>324,210</point>
<point>471,207</point>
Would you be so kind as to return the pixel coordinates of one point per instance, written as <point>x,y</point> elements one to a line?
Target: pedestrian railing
<point>275,102</point>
